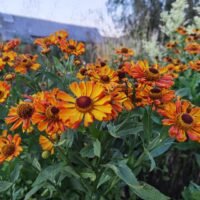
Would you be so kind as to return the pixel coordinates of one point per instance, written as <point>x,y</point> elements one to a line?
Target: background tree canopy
<point>141,18</point>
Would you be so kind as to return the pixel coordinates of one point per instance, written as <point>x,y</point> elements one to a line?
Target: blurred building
<point>12,26</point>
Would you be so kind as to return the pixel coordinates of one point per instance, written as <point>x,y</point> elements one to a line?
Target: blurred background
<point>103,24</point>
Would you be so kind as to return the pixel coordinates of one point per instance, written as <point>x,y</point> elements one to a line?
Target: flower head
<point>90,103</point>
<point>195,65</point>
<point>106,76</point>
<point>4,91</point>
<point>183,119</point>
<point>20,115</point>
<point>125,52</point>
<point>25,62</point>
<point>47,112</point>
<point>153,75</point>
<point>72,47</point>
<point>9,147</point>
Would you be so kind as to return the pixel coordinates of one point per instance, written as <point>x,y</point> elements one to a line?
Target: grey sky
<point>80,12</point>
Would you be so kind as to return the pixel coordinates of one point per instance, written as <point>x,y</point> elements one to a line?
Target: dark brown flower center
<point>102,64</point>
<point>83,102</point>
<point>8,150</point>
<point>155,93</point>
<point>52,112</point>
<point>187,118</point>
<point>121,74</point>
<point>152,74</point>
<point>71,47</point>
<point>28,65</point>
<point>24,60</point>
<point>25,111</point>
<point>124,50</point>
<point>6,58</point>
<point>105,78</point>
<point>155,90</point>
<point>83,71</point>
<point>1,94</point>
<point>138,100</point>
<point>153,70</point>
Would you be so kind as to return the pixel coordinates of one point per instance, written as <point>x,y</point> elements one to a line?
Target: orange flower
<point>183,119</point>
<point>58,36</point>
<point>181,30</point>
<point>47,111</point>
<point>10,45</point>
<point>193,48</point>
<point>118,97</point>
<point>72,47</point>
<point>7,58</point>
<point>125,52</point>
<point>106,76</point>
<point>47,143</point>
<point>157,96</point>
<point>21,114</point>
<point>4,91</point>
<point>90,103</point>
<point>44,43</point>
<point>26,62</point>
<point>101,62</point>
<point>171,44</point>
<point>9,147</point>
<point>82,73</point>
<point>195,65</point>
<point>149,75</point>
<point>9,76</point>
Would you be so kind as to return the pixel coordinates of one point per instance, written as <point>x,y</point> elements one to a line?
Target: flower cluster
<point>102,91</point>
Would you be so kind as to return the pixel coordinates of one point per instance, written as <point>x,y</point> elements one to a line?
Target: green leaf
<point>103,179</point>
<point>70,170</point>
<point>15,173</point>
<point>153,164</point>
<point>144,191</point>
<point>5,185</point>
<point>88,173</point>
<point>192,192</point>
<point>147,123</point>
<point>124,173</point>
<point>58,65</point>
<point>36,164</point>
<point>148,192</point>
<point>183,92</point>
<point>87,151</point>
<point>97,148</point>
<point>33,191</point>
<point>48,173</point>
<point>162,148</point>
<point>128,129</point>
